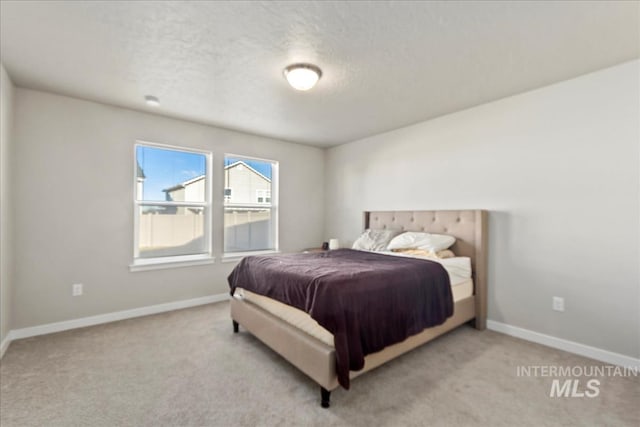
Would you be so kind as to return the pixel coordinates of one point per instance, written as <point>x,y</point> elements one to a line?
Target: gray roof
<point>184,184</point>
<point>139,172</point>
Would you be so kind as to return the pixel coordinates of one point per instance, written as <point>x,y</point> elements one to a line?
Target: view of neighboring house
<point>247,214</point>
<point>247,209</point>
<point>191,190</point>
<point>243,185</point>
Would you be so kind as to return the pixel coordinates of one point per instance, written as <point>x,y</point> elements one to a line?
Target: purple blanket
<point>368,301</point>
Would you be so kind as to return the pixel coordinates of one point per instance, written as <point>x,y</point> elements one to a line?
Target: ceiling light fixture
<point>302,76</point>
<point>152,101</point>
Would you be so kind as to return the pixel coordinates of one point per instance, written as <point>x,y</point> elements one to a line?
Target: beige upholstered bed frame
<point>317,359</point>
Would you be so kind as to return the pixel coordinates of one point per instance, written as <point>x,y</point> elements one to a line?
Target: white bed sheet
<point>459,266</point>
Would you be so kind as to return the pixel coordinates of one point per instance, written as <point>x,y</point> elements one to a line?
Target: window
<point>263,196</point>
<point>172,205</point>
<point>250,210</point>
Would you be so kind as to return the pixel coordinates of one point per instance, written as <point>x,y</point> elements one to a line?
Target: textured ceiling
<point>385,65</point>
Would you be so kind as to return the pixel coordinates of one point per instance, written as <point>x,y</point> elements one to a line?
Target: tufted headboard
<point>469,227</point>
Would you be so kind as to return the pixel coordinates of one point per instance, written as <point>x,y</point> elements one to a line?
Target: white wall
<point>558,170</point>
<point>74,187</point>
<point>6,255</point>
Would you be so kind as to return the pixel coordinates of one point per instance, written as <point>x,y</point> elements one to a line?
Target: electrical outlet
<point>76,289</point>
<point>558,304</point>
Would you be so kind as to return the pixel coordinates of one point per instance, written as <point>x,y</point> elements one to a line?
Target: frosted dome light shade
<point>302,76</point>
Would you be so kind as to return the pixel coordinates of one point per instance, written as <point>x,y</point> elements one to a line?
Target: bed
<point>313,353</point>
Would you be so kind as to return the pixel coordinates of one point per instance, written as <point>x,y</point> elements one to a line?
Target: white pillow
<point>374,240</point>
<point>418,240</point>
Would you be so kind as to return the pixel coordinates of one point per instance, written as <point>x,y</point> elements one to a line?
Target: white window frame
<point>141,264</point>
<point>275,176</point>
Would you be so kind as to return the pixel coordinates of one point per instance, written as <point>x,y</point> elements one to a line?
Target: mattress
<point>462,287</point>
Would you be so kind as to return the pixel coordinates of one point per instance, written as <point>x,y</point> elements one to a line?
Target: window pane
<point>169,175</point>
<point>170,231</point>
<point>250,180</point>
<point>247,229</point>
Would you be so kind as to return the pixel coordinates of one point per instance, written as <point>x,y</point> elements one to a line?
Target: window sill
<point>237,256</point>
<point>170,262</point>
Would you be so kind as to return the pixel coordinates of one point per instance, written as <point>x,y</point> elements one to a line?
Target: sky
<point>165,168</point>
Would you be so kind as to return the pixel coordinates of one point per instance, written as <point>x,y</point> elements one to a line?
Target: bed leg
<point>236,327</point>
<point>326,397</point>
<point>479,324</point>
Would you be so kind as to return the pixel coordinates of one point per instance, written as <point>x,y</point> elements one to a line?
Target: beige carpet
<point>187,368</point>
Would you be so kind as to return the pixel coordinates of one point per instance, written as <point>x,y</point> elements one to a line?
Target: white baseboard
<point>111,317</point>
<point>548,340</point>
<point>566,345</point>
<point>4,345</point>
